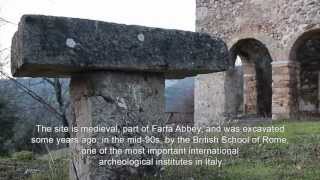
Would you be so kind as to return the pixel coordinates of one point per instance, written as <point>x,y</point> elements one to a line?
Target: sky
<point>171,14</point>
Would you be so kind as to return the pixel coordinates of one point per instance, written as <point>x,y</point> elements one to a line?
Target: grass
<point>297,160</point>
<point>25,166</point>
<point>58,170</point>
<point>58,166</point>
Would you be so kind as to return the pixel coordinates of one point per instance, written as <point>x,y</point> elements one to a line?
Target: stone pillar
<point>218,97</point>
<point>249,89</point>
<point>209,99</point>
<point>114,99</point>
<point>285,77</point>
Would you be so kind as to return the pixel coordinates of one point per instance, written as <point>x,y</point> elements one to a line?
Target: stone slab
<point>48,46</point>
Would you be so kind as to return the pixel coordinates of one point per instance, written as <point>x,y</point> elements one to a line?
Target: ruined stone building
<point>278,43</point>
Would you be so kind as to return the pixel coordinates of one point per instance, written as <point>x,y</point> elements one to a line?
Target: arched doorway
<point>257,77</point>
<point>306,52</point>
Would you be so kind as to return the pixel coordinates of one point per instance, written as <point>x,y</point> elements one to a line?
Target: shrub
<point>23,156</point>
<point>7,123</point>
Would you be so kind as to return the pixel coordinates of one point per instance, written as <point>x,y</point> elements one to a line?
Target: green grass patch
<point>298,159</point>
<point>23,156</point>
<point>25,166</point>
<point>57,170</point>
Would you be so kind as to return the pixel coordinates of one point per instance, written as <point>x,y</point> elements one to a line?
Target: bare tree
<point>59,95</point>
<point>55,83</point>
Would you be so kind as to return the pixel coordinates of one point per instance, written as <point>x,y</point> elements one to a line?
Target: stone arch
<point>266,40</point>
<point>299,41</point>
<point>305,51</point>
<point>297,38</point>
<point>257,76</point>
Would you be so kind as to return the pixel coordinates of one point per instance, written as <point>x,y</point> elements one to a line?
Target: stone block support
<point>285,80</point>
<point>115,99</point>
<point>218,97</point>
<point>209,99</point>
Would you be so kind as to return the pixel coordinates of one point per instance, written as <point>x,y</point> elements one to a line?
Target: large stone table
<point>117,77</point>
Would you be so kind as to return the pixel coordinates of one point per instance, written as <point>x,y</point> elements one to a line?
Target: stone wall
<point>209,99</point>
<point>218,97</point>
<point>282,26</point>
<point>276,23</point>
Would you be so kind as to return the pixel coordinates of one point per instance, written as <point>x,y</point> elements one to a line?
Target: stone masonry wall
<point>277,24</point>
<point>215,99</point>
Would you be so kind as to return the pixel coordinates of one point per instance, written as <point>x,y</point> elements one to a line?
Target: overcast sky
<point>172,14</point>
<point>175,14</point>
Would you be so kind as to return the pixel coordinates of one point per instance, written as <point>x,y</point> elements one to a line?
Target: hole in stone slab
<point>70,43</point>
<point>140,37</point>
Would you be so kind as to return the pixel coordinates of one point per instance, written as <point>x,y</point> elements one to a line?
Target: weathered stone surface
<point>284,90</point>
<point>56,46</point>
<point>218,97</point>
<point>250,99</point>
<point>275,23</point>
<point>209,99</point>
<point>115,99</point>
<point>290,30</point>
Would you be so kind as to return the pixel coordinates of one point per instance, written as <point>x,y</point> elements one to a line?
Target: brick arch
<point>305,51</point>
<point>257,76</point>
<point>253,46</point>
<point>298,40</point>
<point>287,85</point>
<point>264,39</point>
